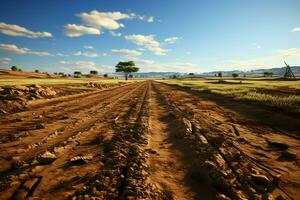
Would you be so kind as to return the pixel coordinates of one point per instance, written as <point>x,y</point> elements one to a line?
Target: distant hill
<point>257,72</point>
<point>7,73</point>
<point>252,73</point>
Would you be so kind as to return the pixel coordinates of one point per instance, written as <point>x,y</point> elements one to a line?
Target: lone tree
<point>105,75</point>
<point>127,68</point>
<point>234,75</point>
<point>94,72</point>
<point>220,74</point>
<point>36,71</point>
<point>14,68</point>
<point>77,74</point>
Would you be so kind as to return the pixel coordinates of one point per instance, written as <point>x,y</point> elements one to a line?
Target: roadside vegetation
<point>283,95</point>
<point>51,81</point>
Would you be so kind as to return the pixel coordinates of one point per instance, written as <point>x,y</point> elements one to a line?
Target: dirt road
<point>148,140</point>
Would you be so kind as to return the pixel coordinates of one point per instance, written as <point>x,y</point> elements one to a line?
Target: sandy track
<point>146,140</point>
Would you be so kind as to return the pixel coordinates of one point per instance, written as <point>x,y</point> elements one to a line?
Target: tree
<point>61,74</point>
<point>77,74</point>
<point>105,75</point>
<point>19,69</point>
<point>36,71</point>
<point>14,68</point>
<point>127,68</point>
<point>220,74</point>
<point>94,72</point>
<point>130,76</point>
<point>234,75</point>
<point>268,74</point>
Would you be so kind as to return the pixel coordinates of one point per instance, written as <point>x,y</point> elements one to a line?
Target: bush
<point>14,68</point>
<point>94,72</point>
<point>36,71</point>
<point>105,75</point>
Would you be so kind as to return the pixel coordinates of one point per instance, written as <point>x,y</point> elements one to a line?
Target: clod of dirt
<point>2,111</point>
<point>40,126</point>
<point>279,145</point>
<point>79,160</point>
<point>47,158</point>
<point>287,155</point>
<point>260,181</point>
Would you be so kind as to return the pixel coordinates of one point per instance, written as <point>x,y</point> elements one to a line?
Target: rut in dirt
<point>145,140</point>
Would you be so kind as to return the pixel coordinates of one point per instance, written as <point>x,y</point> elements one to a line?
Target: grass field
<point>49,81</point>
<point>284,95</point>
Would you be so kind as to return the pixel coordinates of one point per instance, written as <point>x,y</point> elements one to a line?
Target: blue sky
<point>169,35</point>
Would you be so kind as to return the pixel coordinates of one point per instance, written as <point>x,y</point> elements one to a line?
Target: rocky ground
<point>146,140</point>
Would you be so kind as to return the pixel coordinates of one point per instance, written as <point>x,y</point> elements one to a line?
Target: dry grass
<point>49,81</point>
<point>283,95</point>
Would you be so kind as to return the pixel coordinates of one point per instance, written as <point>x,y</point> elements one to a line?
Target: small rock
<point>81,159</point>
<point>39,126</point>
<point>3,111</point>
<point>259,179</point>
<point>278,145</point>
<point>47,158</point>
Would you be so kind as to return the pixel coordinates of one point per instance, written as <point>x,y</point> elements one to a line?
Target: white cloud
<point>289,52</point>
<point>5,60</point>
<point>107,69</point>
<point>107,20</point>
<point>150,19</point>
<point>40,53</point>
<point>151,66</point>
<point>257,46</point>
<point>296,29</point>
<point>61,54</point>
<point>73,30</point>
<point>88,47</point>
<point>104,54</point>
<point>15,30</point>
<point>172,40</point>
<point>126,52</point>
<point>85,54</point>
<point>148,42</point>
<point>115,34</point>
<point>15,49</point>
<point>78,65</point>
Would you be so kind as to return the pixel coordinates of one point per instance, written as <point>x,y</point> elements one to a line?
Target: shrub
<point>14,68</point>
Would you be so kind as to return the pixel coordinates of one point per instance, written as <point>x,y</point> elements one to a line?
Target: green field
<point>283,95</point>
<point>50,81</point>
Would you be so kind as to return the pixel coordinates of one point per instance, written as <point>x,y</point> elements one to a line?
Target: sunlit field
<point>283,95</point>
<point>49,81</point>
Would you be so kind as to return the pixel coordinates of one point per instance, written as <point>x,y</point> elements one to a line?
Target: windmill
<point>288,72</point>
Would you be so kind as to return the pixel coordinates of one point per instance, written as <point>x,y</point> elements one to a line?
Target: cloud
<point>115,34</point>
<point>88,47</point>
<point>15,49</point>
<point>78,65</point>
<point>40,53</point>
<point>126,52</point>
<point>61,54</point>
<point>15,30</point>
<point>296,29</point>
<point>73,30</point>
<point>150,19</point>
<point>86,54</point>
<point>257,46</point>
<point>148,42</point>
<point>5,60</point>
<point>289,52</point>
<point>151,66</point>
<point>172,40</point>
<point>107,20</point>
